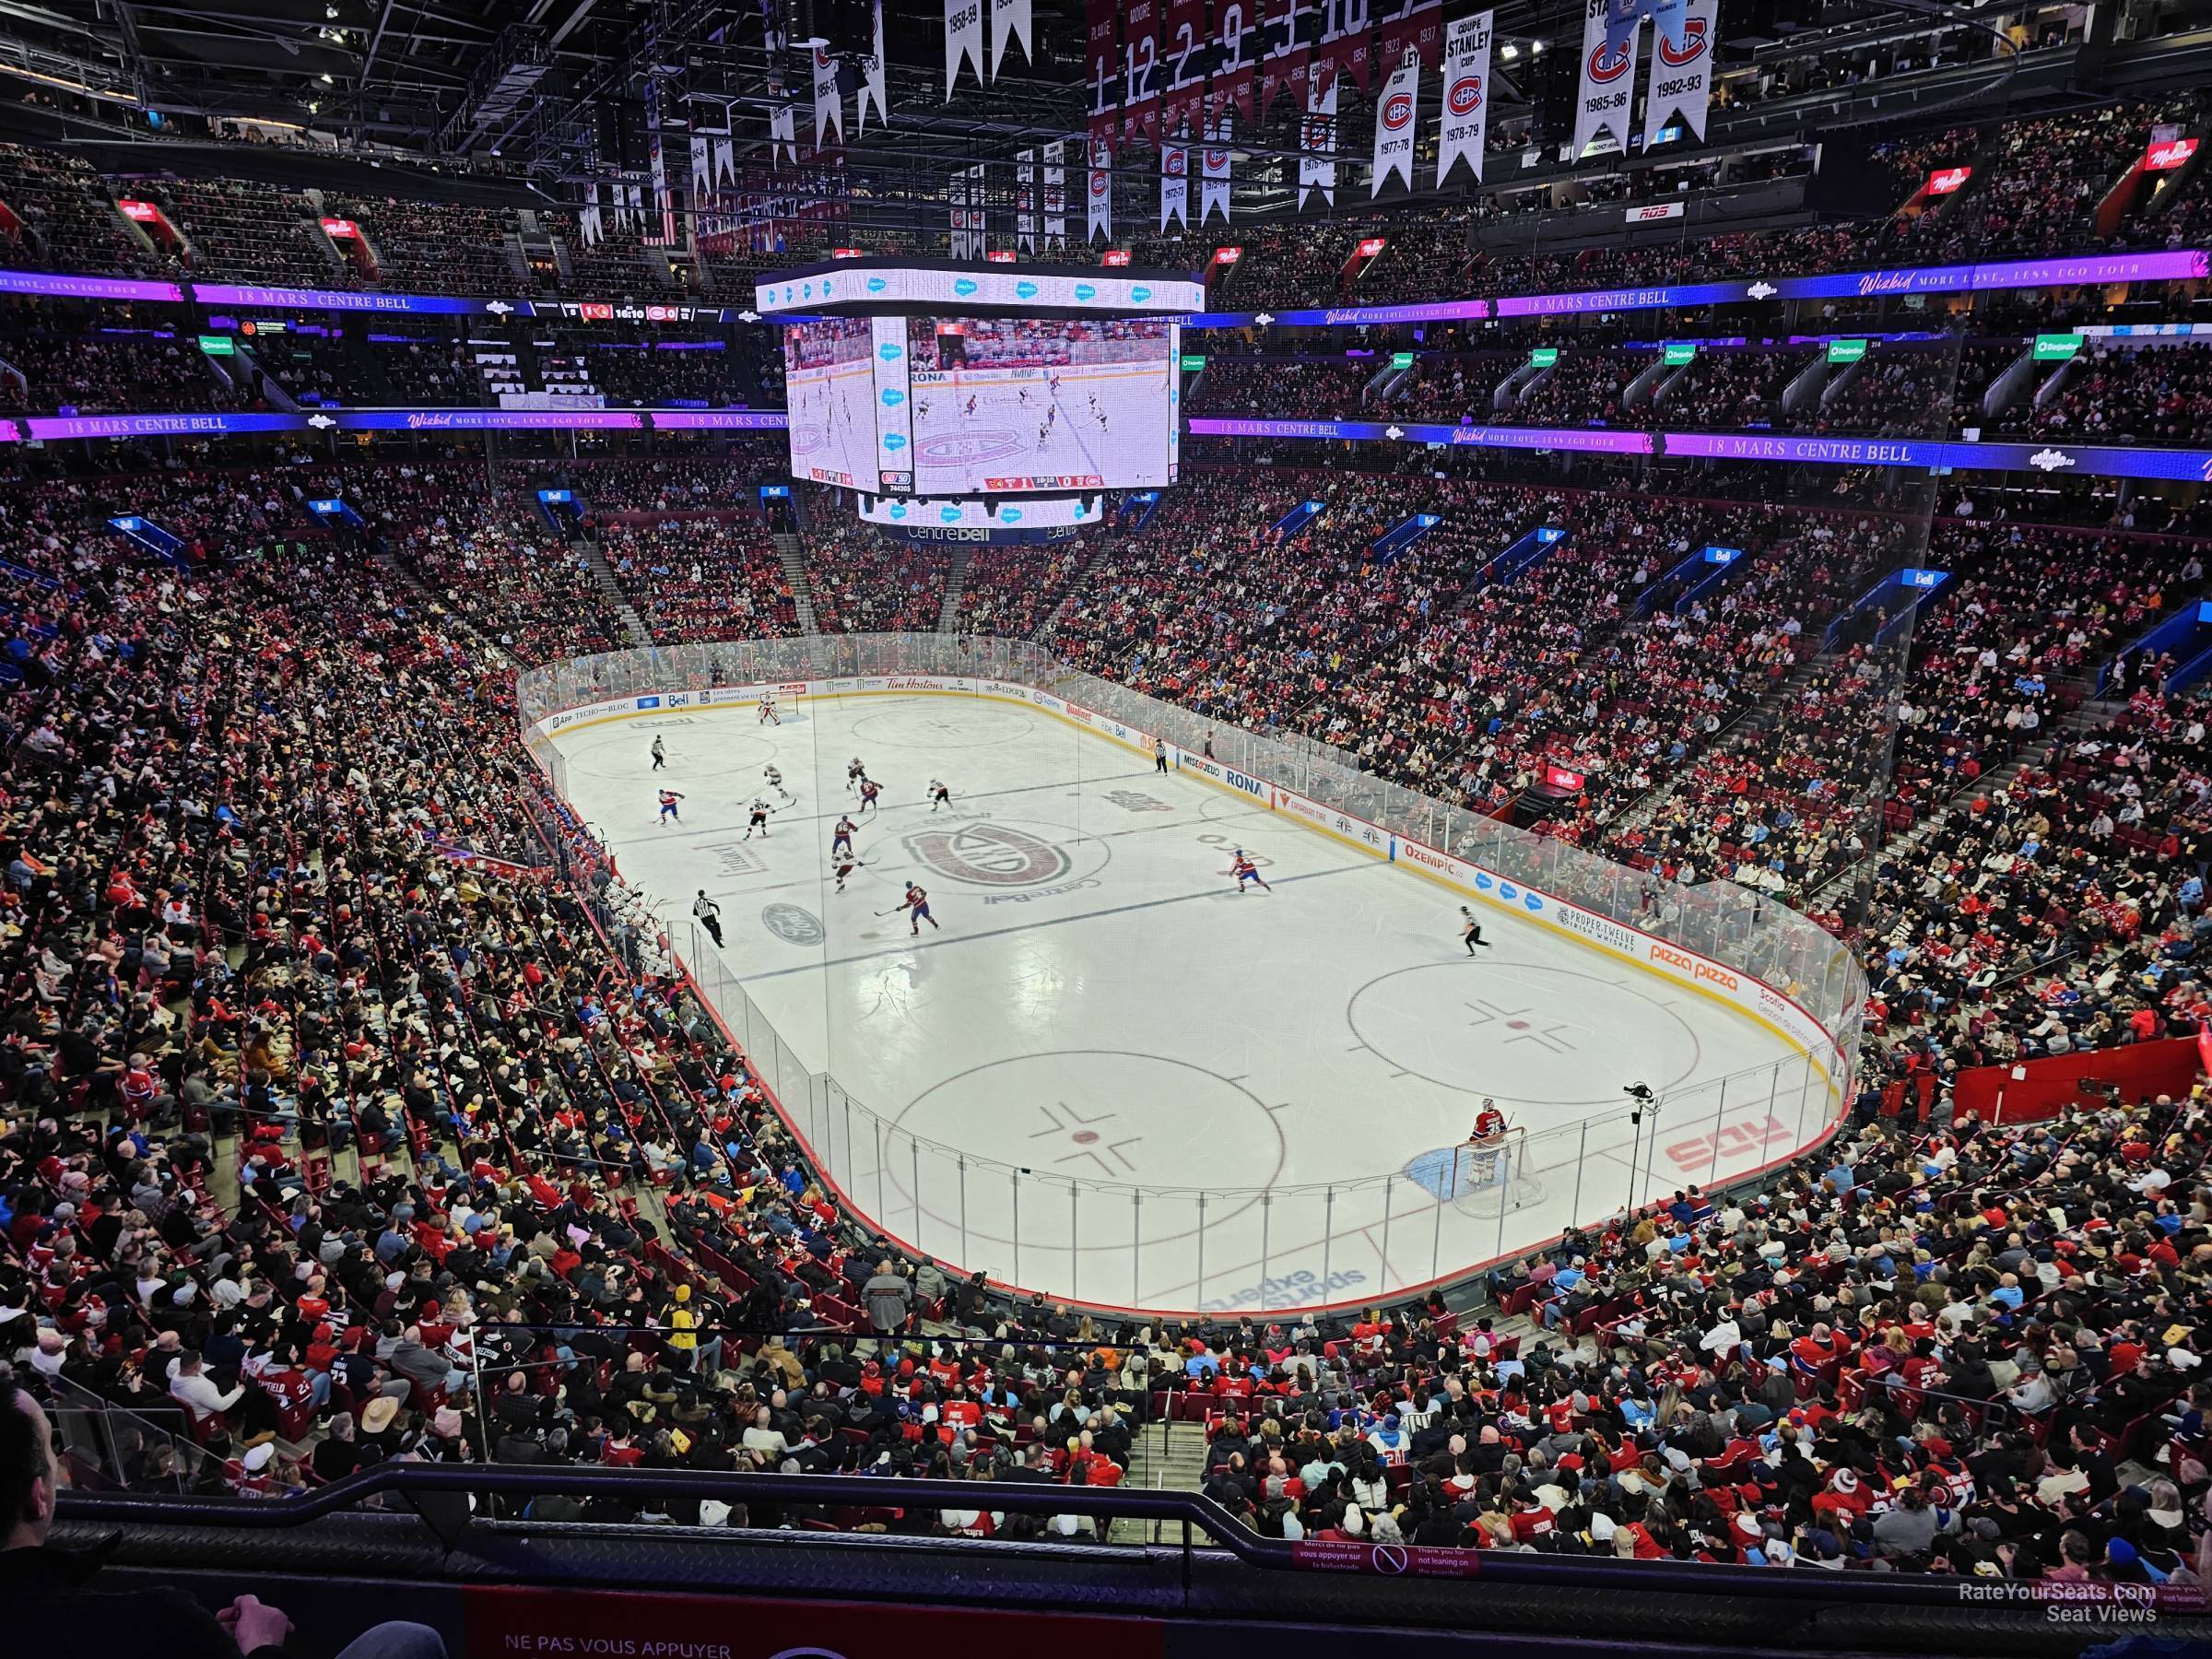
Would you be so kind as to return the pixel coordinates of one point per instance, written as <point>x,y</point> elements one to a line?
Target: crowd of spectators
<point>863,581</point>
<point>94,373</point>
<point>708,575</point>
<point>1011,591</point>
<point>329,1142</point>
<point>2156,398</point>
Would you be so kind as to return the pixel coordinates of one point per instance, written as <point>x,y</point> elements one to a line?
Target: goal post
<point>1490,1177</point>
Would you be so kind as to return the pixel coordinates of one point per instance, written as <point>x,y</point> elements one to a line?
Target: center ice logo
<point>998,855</point>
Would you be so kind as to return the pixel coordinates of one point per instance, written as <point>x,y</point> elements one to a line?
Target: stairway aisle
<point>603,574</point>
<point>795,572</point>
<point>956,588</point>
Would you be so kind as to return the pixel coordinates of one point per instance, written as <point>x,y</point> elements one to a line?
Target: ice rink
<point>1108,1075</point>
<point>1077,426</point>
<point>833,424</point>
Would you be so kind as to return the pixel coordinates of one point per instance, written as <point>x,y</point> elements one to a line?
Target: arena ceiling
<point>525,86</point>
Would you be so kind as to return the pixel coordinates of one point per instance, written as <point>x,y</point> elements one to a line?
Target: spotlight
<point>325,80</point>
<point>1536,47</point>
<point>331,13</point>
<point>1509,52</point>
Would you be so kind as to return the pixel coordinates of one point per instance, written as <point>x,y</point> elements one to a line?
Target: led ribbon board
<point>2049,459</point>
<point>984,289</point>
<point>53,428</point>
<point>2176,265</point>
<point>1030,513</point>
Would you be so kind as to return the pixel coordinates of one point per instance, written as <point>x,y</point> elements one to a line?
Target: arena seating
<point>344,1067</point>
<point>531,1122</point>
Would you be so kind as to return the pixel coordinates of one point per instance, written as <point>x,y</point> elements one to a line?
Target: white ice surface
<point>1103,1030</point>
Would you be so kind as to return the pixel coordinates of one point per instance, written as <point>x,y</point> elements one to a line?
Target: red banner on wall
<point>1140,57</point>
<point>1286,46</point>
<point>1236,48</point>
<point>2036,1089</point>
<point>1184,51</point>
<point>1415,25</point>
<point>1102,70</point>
<point>516,1623</point>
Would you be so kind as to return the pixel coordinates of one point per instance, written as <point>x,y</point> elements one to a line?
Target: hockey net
<point>1491,1177</point>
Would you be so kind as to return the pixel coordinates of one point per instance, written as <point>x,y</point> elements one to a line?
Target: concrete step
<point>792,557</point>
<point>956,588</point>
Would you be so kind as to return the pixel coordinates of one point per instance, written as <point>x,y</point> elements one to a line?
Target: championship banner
<point>1403,26</point>
<point>1345,30</point>
<point>1183,46</point>
<point>1174,185</point>
<point>1466,95</point>
<point>828,111</point>
<point>1681,82</point>
<point>871,80</point>
<point>1055,193</point>
<point>699,163</point>
<point>1234,76</point>
<point>1102,69</point>
<point>783,133</point>
<point>1395,126</point>
<point>1101,194</point>
<point>1607,83</point>
<point>1286,48</point>
<point>1025,201</point>
<point>963,40</point>
<point>1213,183</point>
<point>1316,137</point>
<point>1009,20</point>
<point>1140,80</point>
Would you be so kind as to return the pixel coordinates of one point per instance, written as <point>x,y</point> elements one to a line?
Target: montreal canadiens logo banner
<point>1466,117</point>
<point>1101,194</point>
<point>1608,84</point>
<point>1396,126</point>
<point>1681,82</point>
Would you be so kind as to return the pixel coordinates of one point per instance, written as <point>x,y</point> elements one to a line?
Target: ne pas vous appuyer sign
<point>1411,1560</point>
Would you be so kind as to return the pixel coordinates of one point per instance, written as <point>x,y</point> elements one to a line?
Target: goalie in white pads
<point>768,710</point>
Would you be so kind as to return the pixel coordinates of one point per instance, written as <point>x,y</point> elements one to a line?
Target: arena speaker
<point>845,27</point>
<point>620,125</point>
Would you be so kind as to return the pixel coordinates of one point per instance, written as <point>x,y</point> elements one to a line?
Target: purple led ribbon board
<point>2165,264</point>
<point>349,300</point>
<point>88,288</point>
<point>1587,439</point>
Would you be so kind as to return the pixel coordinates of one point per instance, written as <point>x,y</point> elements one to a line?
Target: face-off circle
<point>1089,1118</point>
<point>1534,1035</point>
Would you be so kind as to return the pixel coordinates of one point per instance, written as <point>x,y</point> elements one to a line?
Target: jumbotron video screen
<point>968,406</point>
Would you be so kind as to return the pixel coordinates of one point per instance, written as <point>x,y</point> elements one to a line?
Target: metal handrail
<point>1192,1510</point>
